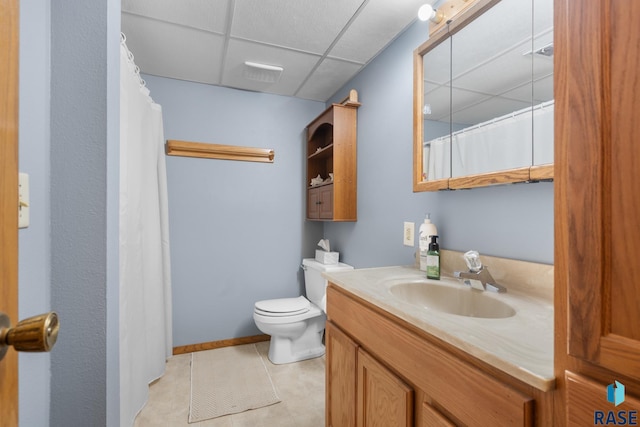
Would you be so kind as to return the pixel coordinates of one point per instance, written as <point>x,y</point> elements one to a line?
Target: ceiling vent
<point>262,72</point>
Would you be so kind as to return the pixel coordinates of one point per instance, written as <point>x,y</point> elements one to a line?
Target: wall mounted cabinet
<point>331,164</point>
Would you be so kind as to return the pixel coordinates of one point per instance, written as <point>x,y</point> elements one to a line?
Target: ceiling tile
<point>330,76</point>
<point>297,66</point>
<point>174,51</point>
<point>310,26</point>
<point>497,76</point>
<point>375,27</point>
<point>203,14</point>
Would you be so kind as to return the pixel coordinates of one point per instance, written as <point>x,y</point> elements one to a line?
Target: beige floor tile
<point>300,386</point>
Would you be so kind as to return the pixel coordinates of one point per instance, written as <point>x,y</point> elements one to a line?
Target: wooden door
<point>597,202</point>
<point>9,201</point>
<point>340,378</point>
<point>384,400</point>
<point>599,190</point>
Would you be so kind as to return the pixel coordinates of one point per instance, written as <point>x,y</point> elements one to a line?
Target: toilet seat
<point>282,307</point>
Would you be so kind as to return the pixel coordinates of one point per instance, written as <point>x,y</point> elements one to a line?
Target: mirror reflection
<point>437,108</point>
<point>488,93</point>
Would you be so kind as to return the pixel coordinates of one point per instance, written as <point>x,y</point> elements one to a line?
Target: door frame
<point>9,56</point>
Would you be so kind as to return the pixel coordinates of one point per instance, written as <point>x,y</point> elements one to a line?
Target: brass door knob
<point>37,333</point>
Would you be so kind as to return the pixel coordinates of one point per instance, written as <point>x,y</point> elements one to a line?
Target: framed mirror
<point>483,97</point>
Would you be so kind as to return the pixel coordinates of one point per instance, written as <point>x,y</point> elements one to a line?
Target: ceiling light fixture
<point>427,12</point>
<point>262,72</point>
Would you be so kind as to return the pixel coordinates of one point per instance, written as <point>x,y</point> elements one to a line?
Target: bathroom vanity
<point>393,362</point>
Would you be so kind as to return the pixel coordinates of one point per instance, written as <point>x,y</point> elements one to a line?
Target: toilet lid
<point>283,306</point>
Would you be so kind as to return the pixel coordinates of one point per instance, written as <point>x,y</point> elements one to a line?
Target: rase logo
<point>615,395</point>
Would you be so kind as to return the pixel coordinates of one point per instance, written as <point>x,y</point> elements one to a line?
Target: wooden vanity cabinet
<point>597,205</point>
<point>372,356</point>
<point>331,148</point>
<point>360,390</point>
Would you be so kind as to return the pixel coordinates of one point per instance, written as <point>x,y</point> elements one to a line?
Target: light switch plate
<point>408,234</point>
<point>23,200</point>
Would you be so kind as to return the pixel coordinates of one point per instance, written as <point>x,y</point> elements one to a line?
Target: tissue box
<point>324,257</point>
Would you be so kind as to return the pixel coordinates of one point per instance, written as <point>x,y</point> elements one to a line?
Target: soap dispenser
<point>427,229</point>
<point>433,259</point>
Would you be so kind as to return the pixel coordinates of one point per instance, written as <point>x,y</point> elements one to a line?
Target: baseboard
<point>219,344</point>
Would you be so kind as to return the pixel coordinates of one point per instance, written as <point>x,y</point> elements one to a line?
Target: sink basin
<point>458,300</point>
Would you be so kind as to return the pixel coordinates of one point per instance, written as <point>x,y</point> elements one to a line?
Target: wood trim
<point>211,345</point>
<point>510,176</point>
<point>218,151</point>
<point>541,172</point>
<point>584,171</point>
<point>351,100</point>
<point>435,185</point>
<point>9,98</point>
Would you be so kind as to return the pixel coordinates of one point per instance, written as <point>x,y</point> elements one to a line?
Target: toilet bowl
<point>296,325</point>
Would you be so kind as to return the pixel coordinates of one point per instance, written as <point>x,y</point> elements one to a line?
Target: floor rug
<point>228,381</point>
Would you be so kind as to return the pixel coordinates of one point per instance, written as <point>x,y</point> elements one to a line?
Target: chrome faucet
<point>480,279</point>
<point>478,276</point>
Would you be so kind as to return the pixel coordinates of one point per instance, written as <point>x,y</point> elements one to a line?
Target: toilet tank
<point>315,285</point>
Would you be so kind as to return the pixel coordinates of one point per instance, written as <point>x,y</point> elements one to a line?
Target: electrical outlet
<point>408,234</point>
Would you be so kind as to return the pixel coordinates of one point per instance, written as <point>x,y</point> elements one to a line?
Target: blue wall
<point>511,221</point>
<point>237,228</point>
<point>84,192</point>
<point>34,243</point>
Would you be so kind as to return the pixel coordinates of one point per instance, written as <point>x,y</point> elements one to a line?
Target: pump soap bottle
<point>433,259</point>
<point>427,229</point>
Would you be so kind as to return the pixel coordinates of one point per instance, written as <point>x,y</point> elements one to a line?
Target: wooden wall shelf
<point>218,151</point>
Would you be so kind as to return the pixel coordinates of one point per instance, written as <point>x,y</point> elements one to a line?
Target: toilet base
<point>307,346</point>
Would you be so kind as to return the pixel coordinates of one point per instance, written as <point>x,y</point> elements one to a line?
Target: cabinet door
<point>340,378</point>
<point>313,203</point>
<point>598,186</point>
<point>326,202</point>
<point>431,417</point>
<point>384,400</point>
<point>587,404</point>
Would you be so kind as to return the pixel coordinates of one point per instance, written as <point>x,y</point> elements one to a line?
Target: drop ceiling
<point>320,44</point>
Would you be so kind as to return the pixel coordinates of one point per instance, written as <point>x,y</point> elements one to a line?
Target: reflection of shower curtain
<point>145,282</point>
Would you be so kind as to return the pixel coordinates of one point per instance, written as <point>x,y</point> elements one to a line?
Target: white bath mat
<point>228,381</point>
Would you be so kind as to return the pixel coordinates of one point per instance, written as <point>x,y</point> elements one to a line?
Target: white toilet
<point>296,325</point>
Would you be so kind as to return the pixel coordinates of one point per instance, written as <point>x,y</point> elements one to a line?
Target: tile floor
<point>300,386</point>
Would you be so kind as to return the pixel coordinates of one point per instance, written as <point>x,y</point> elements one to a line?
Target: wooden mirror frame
<point>532,173</point>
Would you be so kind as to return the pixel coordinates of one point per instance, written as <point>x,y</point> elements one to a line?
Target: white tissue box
<point>324,257</point>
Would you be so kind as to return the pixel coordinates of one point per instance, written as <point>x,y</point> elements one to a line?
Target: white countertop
<point>521,345</point>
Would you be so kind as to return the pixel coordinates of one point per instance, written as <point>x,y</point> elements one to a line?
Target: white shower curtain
<point>145,279</point>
